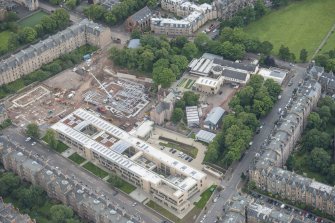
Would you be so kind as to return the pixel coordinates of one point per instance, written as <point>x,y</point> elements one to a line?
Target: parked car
<point>190,160</point>
<point>170,150</point>
<point>28,139</point>
<point>34,143</point>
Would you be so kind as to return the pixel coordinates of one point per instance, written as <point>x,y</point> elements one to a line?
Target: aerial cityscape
<point>167,111</point>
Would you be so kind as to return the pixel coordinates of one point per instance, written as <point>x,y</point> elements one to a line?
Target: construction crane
<point>108,94</point>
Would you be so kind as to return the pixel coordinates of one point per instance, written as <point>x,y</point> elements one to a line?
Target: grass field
<point>163,211</point>
<point>75,157</point>
<point>4,37</point>
<point>205,197</point>
<point>302,24</point>
<point>95,170</point>
<point>125,186</point>
<point>330,45</point>
<point>33,19</point>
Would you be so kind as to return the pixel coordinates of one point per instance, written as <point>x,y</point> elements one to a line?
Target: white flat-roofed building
<point>169,182</point>
<point>192,116</point>
<point>275,74</point>
<point>208,85</point>
<point>205,136</point>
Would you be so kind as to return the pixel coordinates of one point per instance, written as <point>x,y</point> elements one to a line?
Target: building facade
<point>163,110</point>
<point>194,16</point>
<point>10,214</point>
<point>140,20</point>
<point>86,202</point>
<point>208,85</point>
<point>33,57</point>
<point>32,5</point>
<point>269,173</point>
<point>166,180</point>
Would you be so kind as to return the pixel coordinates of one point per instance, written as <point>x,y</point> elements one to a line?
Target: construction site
<point>122,101</point>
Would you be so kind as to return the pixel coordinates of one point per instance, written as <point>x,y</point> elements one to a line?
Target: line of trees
<point>254,101</point>
<point>119,11</point>
<point>316,149</point>
<point>64,62</point>
<point>326,60</point>
<point>24,35</point>
<point>32,200</point>
<point>232,44</point>
<point>165,59</point>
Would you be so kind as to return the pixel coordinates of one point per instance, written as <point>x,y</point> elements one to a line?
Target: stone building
<point>32,5</point>
<point>163,110</point>
<point>10,214</point>
<point>33,57</point>
<point>267,173</point>
<point>140,20</point>
<point>194,16</point>
<point>86,202</point>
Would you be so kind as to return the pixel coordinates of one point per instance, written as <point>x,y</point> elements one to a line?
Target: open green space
<point>75,157</point>
<point>205,197</point>
<point>187,149</point>
<point>95,170</point>
<point>189,84</point>
<point>163,211</point>
<point>32,19</point>
<point>302,24</point>
<point>121,184</point>
<point>181,83</point>
<point>330,45</point>
<point>4,37</point>
<point>61,147</point>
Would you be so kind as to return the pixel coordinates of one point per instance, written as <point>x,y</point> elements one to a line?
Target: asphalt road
<point>230,185</point>
<point>73,170</point>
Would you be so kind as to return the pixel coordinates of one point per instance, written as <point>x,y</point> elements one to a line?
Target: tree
<point>180,61</point>
<point>246,96</point>
<point>265,47</point>
<point>180,104</point>
<point>212,153</point>
<point>314,121</point>
<point>330,65</point>
<point>115,180</point>
<point>315,138</point>
<point>71,4</point>
<point>28,34</point>
<point>62,18</point>
<point>95,12</point>
<point>256,82</point>
<point>331,175</point>
<point>325,113</point>
<point>50,138</point>
<point>190,50</point>
<point>303,55</point>
<point>146,60</point>
<point>269,61</point>
<point>60,213</point>
<point>8,183</point>
<point>320,160</point>
<point>284,53</point>
<point>260,8</point>
<point>177,115</point>
<point>33,130</point>
<point>136,33</point>
<point>191,98</point>
<point>273,89</point>
<point>49,25</point>
<point>163,76</point>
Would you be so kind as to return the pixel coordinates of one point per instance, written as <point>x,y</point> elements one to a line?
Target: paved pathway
<point>324,41</point>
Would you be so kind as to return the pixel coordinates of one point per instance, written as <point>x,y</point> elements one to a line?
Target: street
<point>230,185</point>
<point>13,137</point>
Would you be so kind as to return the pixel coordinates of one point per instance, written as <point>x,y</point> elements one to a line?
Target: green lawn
<point>302,24</point>
<point>4,37</point>
<point>33,19</point>
<point>95,170</point>
<point>61,147</point>
<point>124,186</point>
<point>330,45</point>
<point>205,197</point>
<point>75,157</point>
<point>163,211</point>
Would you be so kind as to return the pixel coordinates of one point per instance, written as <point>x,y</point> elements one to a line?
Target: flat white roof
<point>125,136</point>
<point>144,128</point>
<point>211,82</point>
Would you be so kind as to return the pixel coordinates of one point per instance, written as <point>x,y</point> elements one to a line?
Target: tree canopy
<point>33,130</point>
